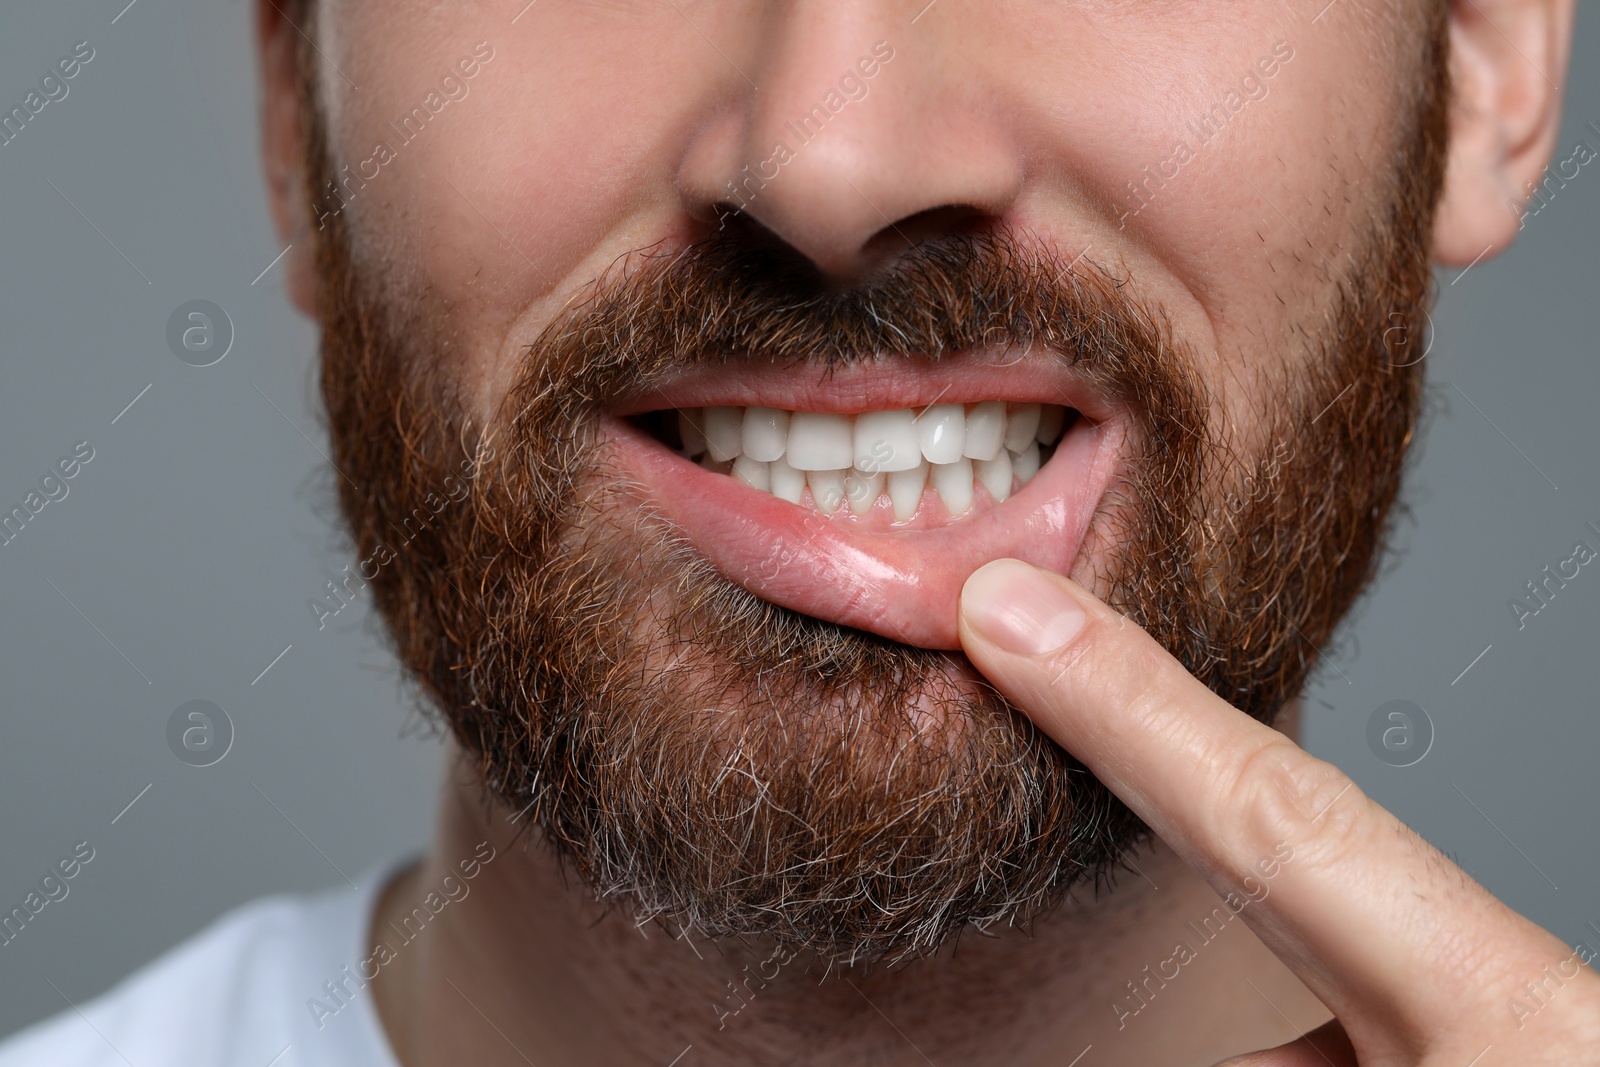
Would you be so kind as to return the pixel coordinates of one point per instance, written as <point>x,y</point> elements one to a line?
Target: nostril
<point>929,225</point>
<point>889,244</point>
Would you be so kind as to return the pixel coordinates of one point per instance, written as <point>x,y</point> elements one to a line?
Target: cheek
<point>1235,213</point>
<point>551,167</point>
<point>1246,200</point>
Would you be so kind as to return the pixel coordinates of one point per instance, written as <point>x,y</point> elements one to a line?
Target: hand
<point>1418,963</point>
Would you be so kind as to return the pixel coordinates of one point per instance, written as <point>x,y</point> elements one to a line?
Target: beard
<point>709,756</point>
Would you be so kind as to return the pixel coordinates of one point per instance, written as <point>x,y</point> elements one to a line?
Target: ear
<point>1508,63</point>
<point>282,151</point>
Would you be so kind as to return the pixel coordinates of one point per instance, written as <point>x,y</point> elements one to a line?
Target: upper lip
<point>873,385</point>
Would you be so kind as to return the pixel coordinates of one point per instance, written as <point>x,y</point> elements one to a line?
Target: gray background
<point>180,564</point>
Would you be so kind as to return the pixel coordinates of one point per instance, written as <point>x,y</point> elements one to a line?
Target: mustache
<point>741,297</point>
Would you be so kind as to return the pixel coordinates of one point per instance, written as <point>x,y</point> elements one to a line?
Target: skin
<point>1417,961</point>
<point>597,129</point>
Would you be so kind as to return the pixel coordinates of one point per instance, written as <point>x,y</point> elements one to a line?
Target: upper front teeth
<point>845,458</point>
<point>818,442</point>
<point>942,433</point>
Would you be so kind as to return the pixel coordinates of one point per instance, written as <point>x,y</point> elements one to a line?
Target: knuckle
<point>1280,794</point>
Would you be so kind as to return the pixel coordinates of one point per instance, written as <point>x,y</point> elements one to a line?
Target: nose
<point>854,136</point>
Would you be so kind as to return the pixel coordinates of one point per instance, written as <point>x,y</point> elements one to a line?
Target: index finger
<point>1364,911</point>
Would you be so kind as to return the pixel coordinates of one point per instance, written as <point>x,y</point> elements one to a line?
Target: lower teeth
<point>954,483</point>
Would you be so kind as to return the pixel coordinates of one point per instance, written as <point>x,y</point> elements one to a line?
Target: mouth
<point>866,497</point>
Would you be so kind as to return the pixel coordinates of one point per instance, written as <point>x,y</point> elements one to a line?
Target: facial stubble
<point>701,753</point>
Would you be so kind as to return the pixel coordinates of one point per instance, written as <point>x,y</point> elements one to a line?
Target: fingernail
<point>1019,608</point>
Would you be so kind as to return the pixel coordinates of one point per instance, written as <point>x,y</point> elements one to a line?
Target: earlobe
<point>283,151</point>
<point>1508,63</point>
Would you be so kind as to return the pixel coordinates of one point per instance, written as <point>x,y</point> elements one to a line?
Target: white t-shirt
<point>251,990</point>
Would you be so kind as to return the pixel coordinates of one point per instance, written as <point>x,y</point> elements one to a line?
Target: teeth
<point>905,490</point>
<point>753,473</point>
<point>995,475</point>
<point>694,442</point>
<point>1025,464</point>
<point>1021,424</point>
<point>724,430</point>
<point>787,483</point>
<point>986,430</point>
<point>1052,417</point>
<point>821,442</point>
<point>887,441</point>
<point>827,489</point>
<point>766,433</point>
<point>953,483</point>
<point>942,432</point>
<point>856,459</point>
<point>862,489</point>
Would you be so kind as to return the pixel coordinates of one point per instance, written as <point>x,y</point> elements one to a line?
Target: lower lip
<point>900,584</point>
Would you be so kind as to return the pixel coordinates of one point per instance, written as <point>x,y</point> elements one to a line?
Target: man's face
<point>551,239</point>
